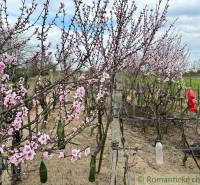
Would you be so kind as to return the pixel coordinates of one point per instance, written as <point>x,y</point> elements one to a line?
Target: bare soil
<point>65,172</point>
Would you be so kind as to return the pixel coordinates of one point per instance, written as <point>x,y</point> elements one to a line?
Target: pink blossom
<point>92,81</point>
<point>26,149</point>
<point>17,123</point>
<point>69,118</point>
<point>10,59</point>
<point>104,77</point>
<point>63,94</point>
<point>3,88</point>
<point>46,155</point>
<point>87,119</point>
<point>43,139</point>
<point>10,131</point>
<point>80,92</point>
<point>82,77</point>
<point>61,97</point>
<point>74,158</point>
<point>23,90</point>
<point>2,67</point>
<point>1,149</point>
<point>34,145</point>
<point>78,108</point>
<point>5,77</point>
<point>100,94</point>
<point>11,99</point>
<point>16,158</point>
<point>39,56</point>
<point>24,111</point>
<point>61,155</point>
<point>28,152</point>
<point>76,154</point>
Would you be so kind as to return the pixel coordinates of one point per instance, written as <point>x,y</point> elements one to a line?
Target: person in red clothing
<point>192,103</point>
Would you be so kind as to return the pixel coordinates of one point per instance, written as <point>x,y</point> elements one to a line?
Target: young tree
<point>98,44</point>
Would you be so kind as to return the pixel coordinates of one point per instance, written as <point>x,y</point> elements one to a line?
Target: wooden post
<point>133,102</point>
<point>117,97</point>
<point>51,75</point>
<point>127,176</point>
<point>117,141</point>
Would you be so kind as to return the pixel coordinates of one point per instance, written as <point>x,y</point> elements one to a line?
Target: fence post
<point>126,172</point>
<point>51,75</point>
<point>117,97</point>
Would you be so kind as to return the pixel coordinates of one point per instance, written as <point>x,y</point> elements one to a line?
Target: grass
<point>193,82</point>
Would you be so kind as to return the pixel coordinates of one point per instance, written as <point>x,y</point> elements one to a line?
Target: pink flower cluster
<point>23,90</point>
<point>63,94</point>
<point>5,77</point>
<point>16,158</point>
<point>82,77</point>
<point>2,67</point>
<point>10,131</point>
<point>101,94</point>
<point>29,150</point>
<point>80,92</point>
<point>10,59</point>
<point>76,153</point>
<point>20,116</point>
<point>39,56</point>
<point>47,156</point>
<point>92,81</point>
<point>7,59</point>
<point>11,98</point>
<point>104,77</point>
<point>17,122</point>
<point>2,149</point>
<point>43,138</point>
<point>3,88</point>
<point>61,155</point>
<point>78,108</point>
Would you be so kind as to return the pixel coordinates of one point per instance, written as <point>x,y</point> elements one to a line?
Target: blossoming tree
<point>98,43</point>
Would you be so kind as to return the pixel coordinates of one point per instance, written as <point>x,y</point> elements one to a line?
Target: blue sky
<point>187,12</point>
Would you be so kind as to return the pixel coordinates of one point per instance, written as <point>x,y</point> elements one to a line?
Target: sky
<point>188,24</point>
<point>186,11</point>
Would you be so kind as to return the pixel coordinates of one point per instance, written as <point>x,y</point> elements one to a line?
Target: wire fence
<point>118,139</point>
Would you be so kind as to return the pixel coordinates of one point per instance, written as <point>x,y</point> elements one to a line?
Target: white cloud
<point>188,13</point>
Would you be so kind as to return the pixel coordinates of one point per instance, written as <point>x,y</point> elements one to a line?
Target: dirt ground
<point>65,172</point>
